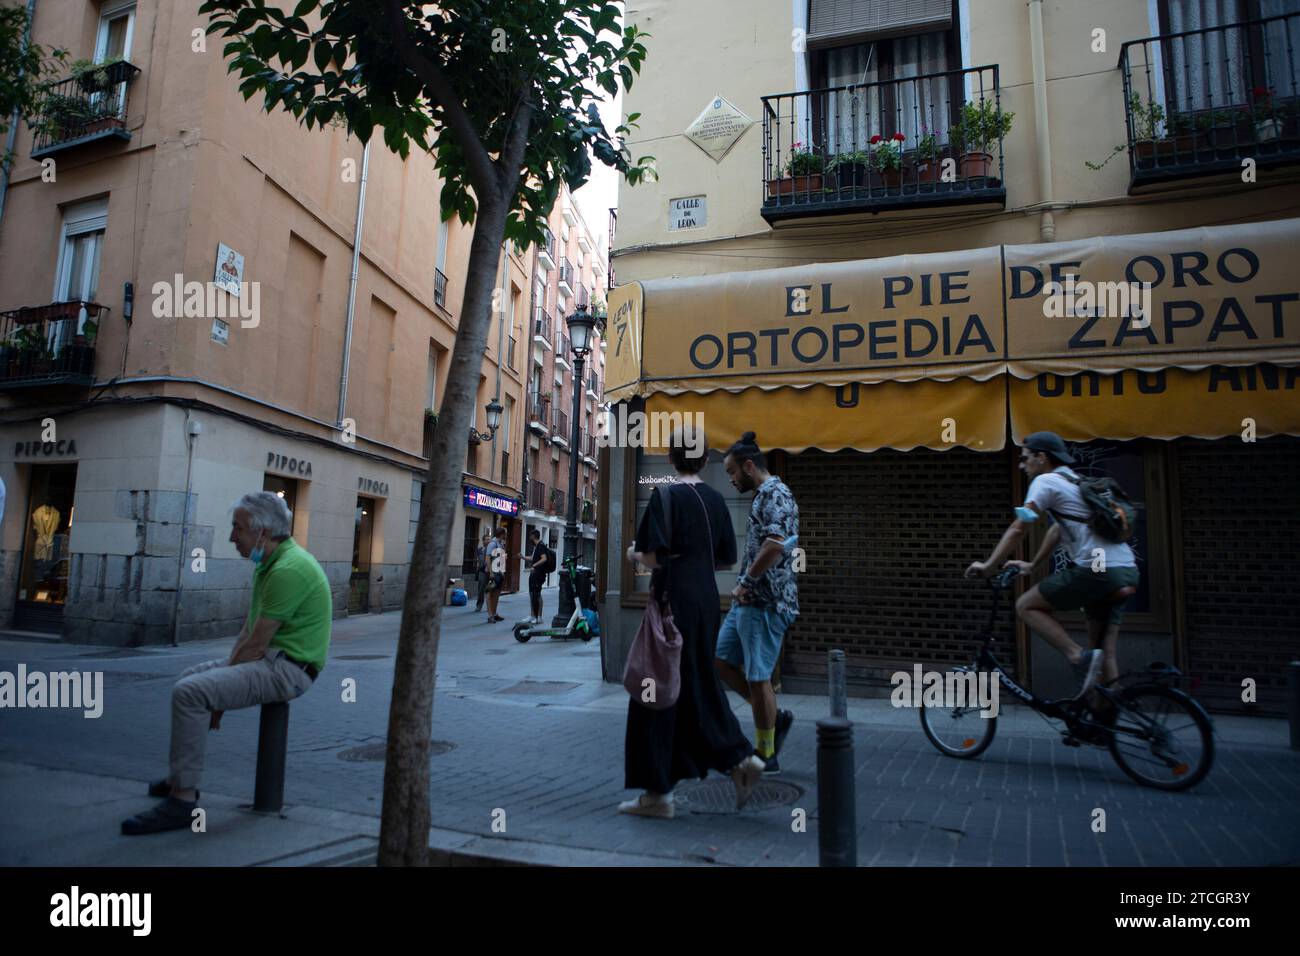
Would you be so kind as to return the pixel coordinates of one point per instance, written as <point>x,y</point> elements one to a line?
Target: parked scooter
<point>577,625</point>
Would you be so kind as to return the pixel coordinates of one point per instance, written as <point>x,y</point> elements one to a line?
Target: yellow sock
<point>765,741</point>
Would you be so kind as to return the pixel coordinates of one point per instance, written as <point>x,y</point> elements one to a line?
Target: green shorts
<point>1080,587</point>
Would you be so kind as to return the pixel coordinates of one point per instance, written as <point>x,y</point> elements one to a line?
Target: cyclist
<point>1045,460</point>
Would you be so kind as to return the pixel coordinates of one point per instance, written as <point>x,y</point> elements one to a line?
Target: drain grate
<point>718,795</point>
<point>377,751</point>
<point>361,657</point>
<point>540,687</point>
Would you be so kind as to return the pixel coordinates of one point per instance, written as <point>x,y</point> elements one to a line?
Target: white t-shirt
<point>1055,492</point>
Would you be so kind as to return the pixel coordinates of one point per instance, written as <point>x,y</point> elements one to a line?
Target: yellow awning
<point>974,331</point>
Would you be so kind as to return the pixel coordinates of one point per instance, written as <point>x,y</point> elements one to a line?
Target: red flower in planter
<point>875,139</point>
<point>899,137</point>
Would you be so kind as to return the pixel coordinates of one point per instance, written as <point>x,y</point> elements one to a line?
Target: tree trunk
<point>404,828</point>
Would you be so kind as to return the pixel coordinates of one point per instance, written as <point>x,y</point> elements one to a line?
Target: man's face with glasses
<point>1034,463</point>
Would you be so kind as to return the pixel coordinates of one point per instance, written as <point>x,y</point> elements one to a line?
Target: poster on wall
<point>230,269</point>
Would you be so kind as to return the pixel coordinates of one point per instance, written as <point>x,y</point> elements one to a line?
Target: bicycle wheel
<point>958,731</point>
<point>1162,738</point>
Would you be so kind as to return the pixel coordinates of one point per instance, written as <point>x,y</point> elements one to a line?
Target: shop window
<point>362,543</point>
<point>286,488</point>
<point>43,578</point>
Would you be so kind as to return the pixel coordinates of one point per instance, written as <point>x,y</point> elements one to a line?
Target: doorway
<point>362,541</point>
<point>43,576</point>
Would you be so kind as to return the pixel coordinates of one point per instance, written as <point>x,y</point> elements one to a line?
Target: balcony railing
<point>561,426</point>
<point>49,344</point>
<point>567,279</point>
<point>537,495</point>
<point>430,432</point>
<point>85,108</point>
<point>920,141</point>
<point>546,252</point>
<point>439,288</point>
<point>1201,101</point>
<point>556,504</point>
<point>542,325</point>
<point>510,353</point>
<point>505,468</point>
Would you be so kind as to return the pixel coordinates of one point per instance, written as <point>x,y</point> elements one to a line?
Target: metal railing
<point>562,347</point>
<point>439,288</point>
<point>1203,100</point>
<point>566,272</point>
<point>556,504</point>
<point>83,108</point>
<point>505,468</point>
<point>541,407</point>
<point>561,425</point>
<point>510,353</point>
<point>933,138</point>
<point>430,432</point>
<point>542,323</point>
<point>537,495</point>
<point>49,344</point>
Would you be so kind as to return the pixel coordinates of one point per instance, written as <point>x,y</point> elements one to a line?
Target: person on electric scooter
<point>1045,460</point>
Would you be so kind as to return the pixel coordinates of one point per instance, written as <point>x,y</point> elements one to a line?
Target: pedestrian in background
<point>538,560</point>
<point>699,732</point>
<point>496,561</point>
<point>278,655</point>
<point>480,570</point>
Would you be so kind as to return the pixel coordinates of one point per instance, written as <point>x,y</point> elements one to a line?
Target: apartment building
<point>569,274</point>
<point>870,220</point>
<point>180,325</point>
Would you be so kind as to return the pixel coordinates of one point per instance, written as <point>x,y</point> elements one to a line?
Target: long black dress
<point>699,732</point>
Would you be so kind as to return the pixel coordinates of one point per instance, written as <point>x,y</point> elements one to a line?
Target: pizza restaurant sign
<point>479,498</point>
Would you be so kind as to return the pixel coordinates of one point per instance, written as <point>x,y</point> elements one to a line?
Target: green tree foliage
<point>25,68</point>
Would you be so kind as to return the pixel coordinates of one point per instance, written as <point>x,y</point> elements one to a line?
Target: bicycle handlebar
<point>1002,580</point>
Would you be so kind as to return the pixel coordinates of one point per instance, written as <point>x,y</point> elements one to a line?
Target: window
<point>76,275</point>
<point>918,102</point>
<point>116,26</point>
<point>431,376</point>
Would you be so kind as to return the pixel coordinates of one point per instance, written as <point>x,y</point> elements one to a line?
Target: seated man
<point>1052,490</point>
<point>277,656</point>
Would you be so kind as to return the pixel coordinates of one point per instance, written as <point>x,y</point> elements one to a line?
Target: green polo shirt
<point>290,586</point>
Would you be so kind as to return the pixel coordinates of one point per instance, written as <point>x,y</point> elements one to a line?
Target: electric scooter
<point>577,625</point>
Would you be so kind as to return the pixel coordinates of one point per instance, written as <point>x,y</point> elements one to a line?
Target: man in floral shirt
<point>765,601</point>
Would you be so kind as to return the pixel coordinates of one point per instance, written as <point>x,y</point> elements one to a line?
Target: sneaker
<point>650,805</point>
<point>783,721</point>
<point>171,814</point>
<point>161,788</point>
<point>1087,669</point>
<point>770,764</point>
<point>746,776</point>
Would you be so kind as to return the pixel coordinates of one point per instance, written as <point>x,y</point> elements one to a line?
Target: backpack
<point>1112,516</point>
<point>549,566</point>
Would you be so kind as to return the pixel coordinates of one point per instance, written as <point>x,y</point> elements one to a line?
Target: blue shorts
<point>751,638</point>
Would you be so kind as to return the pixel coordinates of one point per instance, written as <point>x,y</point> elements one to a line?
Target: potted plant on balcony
<point>981,125</point>
<point>1268,125</point>
<point>850,168</point>
<point>803,173</point>
<point>79,357</point>
<point>927,157</point>
<point>887,158</point>
<point>97,77</point>
<point>34,355</point>
<point>63,117</point>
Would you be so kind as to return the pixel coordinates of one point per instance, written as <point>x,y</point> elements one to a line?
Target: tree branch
<point>512,153</point>
<point>476,157</point>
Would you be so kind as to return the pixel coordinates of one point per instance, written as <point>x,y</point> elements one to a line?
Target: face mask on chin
<point>257,554</point>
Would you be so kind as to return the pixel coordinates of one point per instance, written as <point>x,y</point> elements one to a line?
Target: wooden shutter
<point>838,22</point>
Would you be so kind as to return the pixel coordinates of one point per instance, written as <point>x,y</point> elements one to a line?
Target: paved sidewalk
<point>533,741</point>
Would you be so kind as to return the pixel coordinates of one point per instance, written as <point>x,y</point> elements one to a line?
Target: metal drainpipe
<point>185,517</point>
<point>13,120</point>
<point>1042,134</point>
<point>352,283</point>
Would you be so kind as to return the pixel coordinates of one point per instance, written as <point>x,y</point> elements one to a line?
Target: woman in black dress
<point>699,733</point>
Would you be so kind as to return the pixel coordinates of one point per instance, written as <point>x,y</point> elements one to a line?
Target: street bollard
<point>835,682</point>
<point>272,746</point>
<point>1293,701</point>
<point>837,830</point>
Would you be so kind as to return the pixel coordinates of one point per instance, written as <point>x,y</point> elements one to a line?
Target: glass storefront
<point>363,536</point>
<point>43,579</point>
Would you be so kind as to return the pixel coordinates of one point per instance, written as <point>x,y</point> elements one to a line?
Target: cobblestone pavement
<point>535,733</point>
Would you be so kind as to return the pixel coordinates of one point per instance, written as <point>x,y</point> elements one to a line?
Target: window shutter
<point>838,22</point>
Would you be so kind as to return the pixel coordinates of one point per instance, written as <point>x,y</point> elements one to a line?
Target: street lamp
<point>493,423</point>
<point>580,325</point>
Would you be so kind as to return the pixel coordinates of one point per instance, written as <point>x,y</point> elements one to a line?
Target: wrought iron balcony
<point>537,495</point>
<point>546,252</point>
<point>542,326</point>
<point>560,431</point>
<point>1199,102</point>
<point>539,413</point>
<point>84,108</point>
<point>567,280</point>
<point>49,344</point>
<point>439,288</point>
<point>924,140</point>
<point>556,503</point>
<point>510,353</point>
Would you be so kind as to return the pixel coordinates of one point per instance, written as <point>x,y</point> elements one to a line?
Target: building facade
<point>858,209</point>
<point>569,274</point>
<point>180,325</point>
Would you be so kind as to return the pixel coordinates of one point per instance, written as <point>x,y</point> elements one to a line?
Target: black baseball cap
<point>1051,443</point>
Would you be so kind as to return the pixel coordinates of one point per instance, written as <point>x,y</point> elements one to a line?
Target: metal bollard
<point>1293,701</point>
<point>835,683</point>
<point>837,830</point>
<point>272,747</point>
